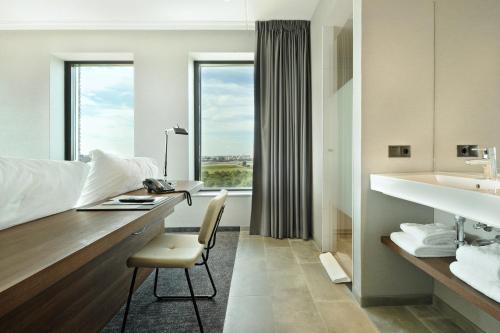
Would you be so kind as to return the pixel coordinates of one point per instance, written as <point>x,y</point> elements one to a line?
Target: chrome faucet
<point>488,161</point>
<point>460,229</point>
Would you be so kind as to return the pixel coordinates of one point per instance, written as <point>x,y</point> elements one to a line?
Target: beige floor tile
<point>273,242</point>
<point>321,287</point>
<point>244,234</point>
<point>296,313</point>
<point>250,249</point>
<point>442,325</point>
<point>250,280</point>
<point>279,286</point>
<point>287,305</point>
<point>301,322</point>
<point>345,317</point>
<point>249,314</point>
<point>282,259</point>
<point>305,251</point>
<point>395,319</point>
<point>284,283</point>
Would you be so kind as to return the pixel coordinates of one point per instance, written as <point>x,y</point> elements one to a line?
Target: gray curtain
<point>282,172</point>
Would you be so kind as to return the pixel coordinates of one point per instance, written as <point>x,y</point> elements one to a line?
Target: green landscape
<point>227,175</point>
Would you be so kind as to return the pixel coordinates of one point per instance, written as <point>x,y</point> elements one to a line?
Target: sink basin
<point>472,182</point>
<point>463,194</point>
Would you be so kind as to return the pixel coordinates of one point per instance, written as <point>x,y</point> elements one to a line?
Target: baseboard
<point>395,300</point>
<point>461,320</point>
<point>197,229</point>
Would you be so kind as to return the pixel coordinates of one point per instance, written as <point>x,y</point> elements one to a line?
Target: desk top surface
<point>30,250</point>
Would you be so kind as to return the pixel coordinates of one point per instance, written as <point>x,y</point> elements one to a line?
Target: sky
<point>107,109</point>
<point>227,120</point>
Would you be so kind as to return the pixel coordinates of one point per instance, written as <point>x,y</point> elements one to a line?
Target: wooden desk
<point>67,272</point>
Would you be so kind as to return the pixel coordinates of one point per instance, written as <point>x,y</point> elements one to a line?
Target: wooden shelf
<point>439,269</point>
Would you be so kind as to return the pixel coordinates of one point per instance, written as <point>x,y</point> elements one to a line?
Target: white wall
<point>394,58</point>
<point>56,109</point>
<point>161,89</point>
<point>236,213</point>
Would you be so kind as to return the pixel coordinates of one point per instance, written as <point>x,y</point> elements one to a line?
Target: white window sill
<point>230,193</point>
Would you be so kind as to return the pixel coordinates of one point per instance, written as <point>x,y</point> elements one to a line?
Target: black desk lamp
<point>174,130</point>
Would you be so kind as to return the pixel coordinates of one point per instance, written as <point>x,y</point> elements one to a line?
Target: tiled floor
<point>280,286</point>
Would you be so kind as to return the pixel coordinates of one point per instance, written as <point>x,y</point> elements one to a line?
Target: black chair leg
<point>211,281</point>
<point>127,307</point>
<point>193,298</point>
<point>157,272</point>
<point>180,298</point>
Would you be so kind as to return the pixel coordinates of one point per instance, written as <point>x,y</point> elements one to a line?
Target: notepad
<point>116,204</point>
<point>134,200</point>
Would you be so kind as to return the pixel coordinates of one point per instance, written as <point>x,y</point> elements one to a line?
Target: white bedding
<point>111,175</point>
<point>31,189</point>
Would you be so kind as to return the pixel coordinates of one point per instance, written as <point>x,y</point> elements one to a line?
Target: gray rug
<point>149,315</point>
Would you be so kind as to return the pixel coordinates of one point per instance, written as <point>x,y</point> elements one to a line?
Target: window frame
<point>69,115</point>
<point>197,117</point>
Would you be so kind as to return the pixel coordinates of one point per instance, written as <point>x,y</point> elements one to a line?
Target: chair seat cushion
<point>168,251</point>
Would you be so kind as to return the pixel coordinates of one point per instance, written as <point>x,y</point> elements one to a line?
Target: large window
<point>224,123</point>
<point>99,104</point>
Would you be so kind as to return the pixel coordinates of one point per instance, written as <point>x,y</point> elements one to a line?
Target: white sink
<point>463,194</point>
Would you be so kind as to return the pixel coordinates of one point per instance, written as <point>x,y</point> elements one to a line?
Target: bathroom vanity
<point>463,194</point>
<point>466,195</point>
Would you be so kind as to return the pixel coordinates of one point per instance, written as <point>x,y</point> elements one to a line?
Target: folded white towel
<point>485,259</point>
<point>431,234</point>
<point>408,243</point>
<point>476,280</point>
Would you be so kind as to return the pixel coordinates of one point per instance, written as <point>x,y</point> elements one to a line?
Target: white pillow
<point>111,175</point>
<point>31,189</point>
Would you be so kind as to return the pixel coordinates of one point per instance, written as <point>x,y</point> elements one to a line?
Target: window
<point>224,123</point>
<point>99,108</point>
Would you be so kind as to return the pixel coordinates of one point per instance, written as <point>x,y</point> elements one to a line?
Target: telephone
<point>157,185</point>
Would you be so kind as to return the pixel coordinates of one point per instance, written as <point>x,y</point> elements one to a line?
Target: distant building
<point>227,158</point>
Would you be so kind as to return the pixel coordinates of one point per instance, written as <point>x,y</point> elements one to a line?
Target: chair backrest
<point>210,220</point>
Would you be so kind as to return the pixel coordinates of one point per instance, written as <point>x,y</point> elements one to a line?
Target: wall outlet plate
<point>467,151</point>
<point>399,151</point>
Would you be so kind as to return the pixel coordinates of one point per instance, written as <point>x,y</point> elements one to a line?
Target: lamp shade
<point>176,130</point>
<point>181,131</point>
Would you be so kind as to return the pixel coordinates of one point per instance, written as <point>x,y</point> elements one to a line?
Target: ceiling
<point>148,14</point>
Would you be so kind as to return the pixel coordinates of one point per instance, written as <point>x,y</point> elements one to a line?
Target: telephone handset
<point>157,186</point>
<point>161,186</point>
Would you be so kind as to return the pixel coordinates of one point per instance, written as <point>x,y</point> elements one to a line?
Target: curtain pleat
<point>282,176</point>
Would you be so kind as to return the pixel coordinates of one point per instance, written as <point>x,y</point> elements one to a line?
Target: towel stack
<point>479,267</point>
<point>426,240</point>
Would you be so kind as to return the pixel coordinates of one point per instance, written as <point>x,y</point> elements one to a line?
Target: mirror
<point>467,79</point>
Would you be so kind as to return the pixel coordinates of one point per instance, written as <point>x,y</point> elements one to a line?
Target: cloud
<point>227,110</point>
<point>98,78</point>
<point>107,109</point>
<point>111,130</point>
